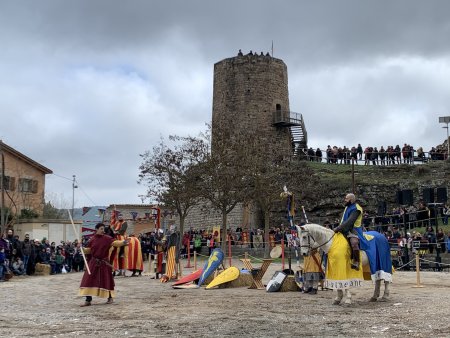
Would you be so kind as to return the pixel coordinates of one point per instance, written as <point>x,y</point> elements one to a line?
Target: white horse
<point>314,236</point>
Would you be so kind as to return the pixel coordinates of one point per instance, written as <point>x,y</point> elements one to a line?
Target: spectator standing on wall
<point>382,154</point>
<point>397,152</point>
<point>311,154</point>
<point>367,155</point>
<point>374,156</point>
<point>359,151</point>
<point>354,155</point>
<point>318,155</point>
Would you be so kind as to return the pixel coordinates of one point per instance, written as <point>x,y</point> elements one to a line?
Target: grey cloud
<point>89,85</point>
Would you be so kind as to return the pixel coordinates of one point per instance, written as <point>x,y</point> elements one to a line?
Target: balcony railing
<point>287,118</point>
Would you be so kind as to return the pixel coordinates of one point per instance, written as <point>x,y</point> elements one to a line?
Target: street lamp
<point>74,186</point>
<point>446,119</point>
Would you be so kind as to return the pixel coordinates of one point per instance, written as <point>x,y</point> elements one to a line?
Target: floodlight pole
<point>448,143</point>
<point>74,186</point>
<point>446,120</point>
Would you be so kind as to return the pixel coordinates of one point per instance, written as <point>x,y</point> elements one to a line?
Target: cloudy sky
<point>86,86</point>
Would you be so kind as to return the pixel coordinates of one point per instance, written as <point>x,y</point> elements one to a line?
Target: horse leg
<point>386,293</point>
<point>376,292</point>
<point>338,298</point>
<point>348,297</point>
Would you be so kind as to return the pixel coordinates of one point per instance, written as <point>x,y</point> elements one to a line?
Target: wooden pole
<point>81,242</point>
<point>195,260</point>
<point>180,270</point>
<point>418,285</point>
<point>353,176</point>
<point>189,254</point>
<point>229,250</point>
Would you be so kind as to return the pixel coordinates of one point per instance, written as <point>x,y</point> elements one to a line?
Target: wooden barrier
<point>418,285</point>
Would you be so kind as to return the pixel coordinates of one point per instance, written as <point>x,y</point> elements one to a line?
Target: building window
<point>278,107</point>
<point>28,185</point>
<point>9,183</point>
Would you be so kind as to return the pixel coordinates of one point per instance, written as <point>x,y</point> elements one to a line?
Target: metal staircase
<point>296,125</point>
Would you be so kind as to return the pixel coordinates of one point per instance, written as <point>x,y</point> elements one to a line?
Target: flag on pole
<point>86,210</point>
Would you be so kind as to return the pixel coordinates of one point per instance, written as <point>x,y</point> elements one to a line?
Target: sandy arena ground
<point>48,306</point>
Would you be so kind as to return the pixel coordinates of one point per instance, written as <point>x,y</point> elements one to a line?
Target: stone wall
<point>204,217</point>
<point>247,91</point>
<point>373,184</point>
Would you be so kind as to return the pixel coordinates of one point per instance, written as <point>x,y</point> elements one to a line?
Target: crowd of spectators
<point>20,257</point>
<point>370,155</point>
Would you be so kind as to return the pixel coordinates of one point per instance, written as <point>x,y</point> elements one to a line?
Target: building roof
<point>24,158</point>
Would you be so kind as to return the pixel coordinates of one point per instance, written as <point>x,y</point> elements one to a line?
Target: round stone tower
<point>251,96</point>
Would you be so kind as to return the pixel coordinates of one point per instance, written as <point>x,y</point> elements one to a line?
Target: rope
<point>437,263</point>
<point>255,258</point>
<point>401,267</point>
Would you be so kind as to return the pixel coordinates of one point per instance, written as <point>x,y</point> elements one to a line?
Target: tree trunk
<point>223,236</point>
<point>266,234</point>
<point>180,239</point>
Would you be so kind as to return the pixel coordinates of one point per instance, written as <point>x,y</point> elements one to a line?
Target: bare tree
<point>267,178</point>
<point>168,172</point>
<point>223,175</point>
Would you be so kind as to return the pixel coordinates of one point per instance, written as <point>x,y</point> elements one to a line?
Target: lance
<point>304,214</point>
<point>81,246</point>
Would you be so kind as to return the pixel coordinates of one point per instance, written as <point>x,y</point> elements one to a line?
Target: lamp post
<point>446,120</point>
<point>74,186</point>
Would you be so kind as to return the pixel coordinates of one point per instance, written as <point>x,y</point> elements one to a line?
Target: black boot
<point>308,290</point>
<point>313,292</point>
<point>355,260</point>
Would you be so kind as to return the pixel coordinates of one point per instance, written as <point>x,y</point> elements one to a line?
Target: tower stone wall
<point>248,89</point>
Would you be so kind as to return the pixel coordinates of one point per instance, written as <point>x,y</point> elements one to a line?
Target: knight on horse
<point>351,219</point>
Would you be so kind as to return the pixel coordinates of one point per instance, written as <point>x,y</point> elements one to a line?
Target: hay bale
<point>289,284</point>
<point>244,280</point>
<point>42,269</point>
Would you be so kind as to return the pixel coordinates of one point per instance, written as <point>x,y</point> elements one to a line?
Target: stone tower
<point>251,95</point>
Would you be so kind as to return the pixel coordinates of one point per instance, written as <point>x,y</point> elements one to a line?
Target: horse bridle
<point>309,241</point>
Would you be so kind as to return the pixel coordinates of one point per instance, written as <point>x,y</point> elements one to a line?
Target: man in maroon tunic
<point>100,282</point>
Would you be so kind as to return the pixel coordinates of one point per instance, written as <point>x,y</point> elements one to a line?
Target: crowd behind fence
<point>21,257</point>
<point>372,155</point>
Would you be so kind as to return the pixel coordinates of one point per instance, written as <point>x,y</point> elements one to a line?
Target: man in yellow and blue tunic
<point>351,219</point>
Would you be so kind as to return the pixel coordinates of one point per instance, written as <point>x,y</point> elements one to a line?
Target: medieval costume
<point>160,242</point>
<point>172,256</point>
<point>313,272</point>
<point>351,219</point>
<point>129,258</point>
<point>372,243</point>
<point>100,282</point>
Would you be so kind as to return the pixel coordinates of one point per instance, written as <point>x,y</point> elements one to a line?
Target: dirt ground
<point>48,306</point>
